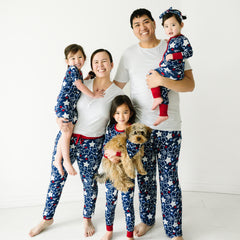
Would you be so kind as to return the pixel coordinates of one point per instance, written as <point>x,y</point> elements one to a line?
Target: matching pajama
<point>163,149</point>
<point>112,195</point>
<point>69,95</point>
<point>179,46</point>
<point>88,154</point>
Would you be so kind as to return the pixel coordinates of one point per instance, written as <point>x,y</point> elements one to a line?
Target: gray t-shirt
<point>134,65</point>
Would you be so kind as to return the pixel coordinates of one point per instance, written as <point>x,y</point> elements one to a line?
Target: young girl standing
<point>122,114</point>
<point>71,90</point>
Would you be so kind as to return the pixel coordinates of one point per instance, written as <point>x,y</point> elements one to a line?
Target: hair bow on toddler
<point>174,11</point>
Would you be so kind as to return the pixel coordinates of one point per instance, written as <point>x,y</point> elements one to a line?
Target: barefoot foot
<point>160,119</point>
<point>59,167</point>
<point>177,238</point>
<point>141,229</point>
<point>40,227</point>
<point>69,168</point>
<point>108,235</point>
<point>156,102</point>
<point>89,229</point>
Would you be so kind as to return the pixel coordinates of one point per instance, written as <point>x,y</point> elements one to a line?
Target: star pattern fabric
<point>88,154</point>
<point>181,49</point>
<point>69,95</point>
<point>163,149</point>
<point>112,194</point>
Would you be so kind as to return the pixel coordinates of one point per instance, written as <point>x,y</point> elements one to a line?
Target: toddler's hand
<point>111,155</point>
<point>169,57</point>
<point>99,93</point>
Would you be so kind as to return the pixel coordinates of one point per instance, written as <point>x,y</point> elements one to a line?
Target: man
<point>134,67</point>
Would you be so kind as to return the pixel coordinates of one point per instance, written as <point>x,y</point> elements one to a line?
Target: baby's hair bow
<point>174,11</point>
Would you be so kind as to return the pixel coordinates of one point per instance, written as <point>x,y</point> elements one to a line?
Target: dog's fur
<point>121,173</point>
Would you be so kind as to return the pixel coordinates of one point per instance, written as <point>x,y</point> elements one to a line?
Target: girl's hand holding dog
<point>112,155</point>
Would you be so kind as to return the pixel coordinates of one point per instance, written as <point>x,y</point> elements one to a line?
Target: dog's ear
<point>128,130</point>
<point>149,131</point>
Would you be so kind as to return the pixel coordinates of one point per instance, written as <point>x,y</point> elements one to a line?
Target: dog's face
<point>138,133</point>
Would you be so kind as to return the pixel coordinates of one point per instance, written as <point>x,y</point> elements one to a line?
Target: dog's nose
<point>138,138</point>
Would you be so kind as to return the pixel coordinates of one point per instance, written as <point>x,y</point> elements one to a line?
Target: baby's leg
<point>58,158</point>
<point>65,149</point>
<point>160,119</point>
<point>156,102</point>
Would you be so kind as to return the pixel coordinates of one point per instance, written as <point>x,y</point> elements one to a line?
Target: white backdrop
<point>33,37</point>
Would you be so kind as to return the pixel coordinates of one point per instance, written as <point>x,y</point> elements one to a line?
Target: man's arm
<point>187,84</point>
<point>120,84</point>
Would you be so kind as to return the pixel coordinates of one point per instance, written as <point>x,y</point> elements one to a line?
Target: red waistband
<point>82,137</point>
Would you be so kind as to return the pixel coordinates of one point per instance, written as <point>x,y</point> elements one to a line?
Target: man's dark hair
<point>139,13</point>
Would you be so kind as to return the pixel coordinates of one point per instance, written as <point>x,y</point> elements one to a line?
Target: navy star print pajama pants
<point>163,149</point>
<point>88,154</point>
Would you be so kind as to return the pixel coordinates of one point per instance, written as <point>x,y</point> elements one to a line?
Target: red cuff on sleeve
<point>177,55</point>
<point>118,154</point>
<point>109,228</point>
<point>129,234</point>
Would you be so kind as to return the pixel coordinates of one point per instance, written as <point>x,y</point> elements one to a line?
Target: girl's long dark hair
<point>118,101</point>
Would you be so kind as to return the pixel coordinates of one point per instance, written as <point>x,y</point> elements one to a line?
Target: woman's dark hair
<point>118,101</point>
<point>91,73</point>
<point>74,48</point>
<point>139,13</point>
<point>170,14</point>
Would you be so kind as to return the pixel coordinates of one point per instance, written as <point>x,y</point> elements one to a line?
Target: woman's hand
<point>154,79</point>
<point>111,155</point>
<point>64,124</point>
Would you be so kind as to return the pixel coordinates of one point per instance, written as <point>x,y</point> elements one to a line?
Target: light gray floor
<point>206,216</point>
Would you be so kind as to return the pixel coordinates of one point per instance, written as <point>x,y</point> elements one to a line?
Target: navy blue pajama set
<point>87,151</point>
<point>163,149</point>
<point>181,49</point>
<point>112,192</point>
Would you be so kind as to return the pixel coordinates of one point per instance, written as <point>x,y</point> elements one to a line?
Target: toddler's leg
<point>156,92</point>
<point>65,148</point>
<point>58,158</point>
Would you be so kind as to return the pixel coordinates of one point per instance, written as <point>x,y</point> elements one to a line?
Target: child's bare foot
<point>160,119</point>
<point>177,238</point>
<point>108,235</point>
<point>156,102</point>
<point>141,229</point>
<point>40,227</point>
<point>89,229</point>
<point>69,168</point>
<point>59,167</point>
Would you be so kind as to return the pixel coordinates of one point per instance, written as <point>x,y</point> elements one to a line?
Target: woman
<point>86,143</point>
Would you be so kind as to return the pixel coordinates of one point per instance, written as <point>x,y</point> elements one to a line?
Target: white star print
<point>173,204</point>
<point>170,183</point>
<point>144,159</point>
<point>52,178</point>
<point>165,222</point>
<point>185,42</point>
<point>169,136</point>
<point>168,160</point>
<point>172,45</point>
<point>93,196</point>
<point>65,115</point>
<point>50,194</point>
<point>131,195</point>
<point>149,216</point>
<point>86,164</point>
<point>92,144</point>
<point>66,103</point>
<point>146,178</point>
<point>158,133</point>
<point>148,197</point>
<point>175,225</point>
<point>163,200</point>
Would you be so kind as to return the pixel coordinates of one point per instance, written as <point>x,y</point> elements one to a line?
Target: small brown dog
<point>121,173</point>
